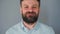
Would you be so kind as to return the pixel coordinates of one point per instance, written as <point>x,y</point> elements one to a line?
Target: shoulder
<point>42,25</point>
<point>13,29</point>
<point>47,29</point>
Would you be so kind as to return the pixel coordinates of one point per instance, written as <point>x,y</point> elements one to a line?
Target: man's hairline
<point>36,0</point>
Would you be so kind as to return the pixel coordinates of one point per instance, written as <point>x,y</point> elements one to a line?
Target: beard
<point>30,17</point>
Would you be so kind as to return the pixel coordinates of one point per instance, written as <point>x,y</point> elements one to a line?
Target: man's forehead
<point>30,1</point>
<point>27,0</point>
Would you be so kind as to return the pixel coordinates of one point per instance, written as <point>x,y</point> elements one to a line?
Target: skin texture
<point>30,9</point>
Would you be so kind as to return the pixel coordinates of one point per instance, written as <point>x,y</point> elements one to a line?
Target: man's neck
<point>29,26</point>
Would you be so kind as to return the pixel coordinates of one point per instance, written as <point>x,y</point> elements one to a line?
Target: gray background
<point>9,14</point>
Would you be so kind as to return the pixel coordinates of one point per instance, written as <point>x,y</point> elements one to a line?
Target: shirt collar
<point>36,27</point>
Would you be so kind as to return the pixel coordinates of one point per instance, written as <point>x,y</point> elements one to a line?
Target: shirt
<point>39,28</point>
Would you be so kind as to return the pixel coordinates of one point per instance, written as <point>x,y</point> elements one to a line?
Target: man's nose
<point>30,9</point>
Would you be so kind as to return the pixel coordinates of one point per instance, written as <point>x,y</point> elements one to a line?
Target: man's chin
<point>30,22</point>
<point>30,19</point>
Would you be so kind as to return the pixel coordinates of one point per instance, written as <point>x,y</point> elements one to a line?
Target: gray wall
<point>9,14</point>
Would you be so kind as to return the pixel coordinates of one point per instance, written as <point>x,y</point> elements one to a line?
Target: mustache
<point>30,13</point>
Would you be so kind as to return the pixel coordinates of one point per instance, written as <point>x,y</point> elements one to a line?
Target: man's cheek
<point>24,11</point>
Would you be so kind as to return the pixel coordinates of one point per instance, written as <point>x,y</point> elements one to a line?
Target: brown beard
<point>30,19</point>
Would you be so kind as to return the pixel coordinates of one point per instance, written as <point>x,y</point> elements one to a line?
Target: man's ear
<point>39,9</point>
<point>20,9</point>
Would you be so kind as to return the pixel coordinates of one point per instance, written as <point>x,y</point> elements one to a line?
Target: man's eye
<point>25,7</point>
<point>33,7</point>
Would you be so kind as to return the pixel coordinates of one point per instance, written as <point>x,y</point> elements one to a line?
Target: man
<point>29,25</point>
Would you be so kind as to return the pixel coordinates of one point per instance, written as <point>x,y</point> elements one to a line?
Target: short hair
<point>22,0</point>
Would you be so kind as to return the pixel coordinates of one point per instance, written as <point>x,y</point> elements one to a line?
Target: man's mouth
<point>30,15</point>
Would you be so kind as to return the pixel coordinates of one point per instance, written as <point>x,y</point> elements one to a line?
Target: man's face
<point>30,10</point>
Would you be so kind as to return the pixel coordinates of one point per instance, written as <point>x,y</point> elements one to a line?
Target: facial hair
<point>31,19</point>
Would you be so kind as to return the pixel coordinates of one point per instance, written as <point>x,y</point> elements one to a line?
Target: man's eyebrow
<point>25,5</point>
<point>35,5</point>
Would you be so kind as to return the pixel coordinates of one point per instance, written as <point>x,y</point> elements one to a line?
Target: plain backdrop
<point>10,15</point>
